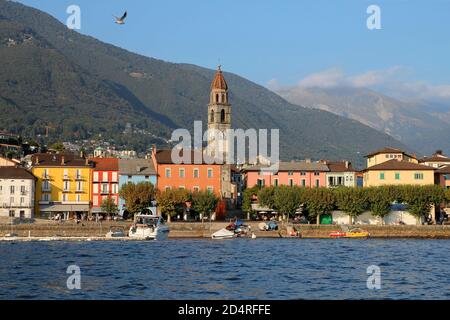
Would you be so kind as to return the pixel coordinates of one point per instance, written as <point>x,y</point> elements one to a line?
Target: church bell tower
<point>219,116</point>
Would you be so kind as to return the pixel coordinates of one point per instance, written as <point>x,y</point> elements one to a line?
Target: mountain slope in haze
<point>408,122</point>
<point>84,87</point>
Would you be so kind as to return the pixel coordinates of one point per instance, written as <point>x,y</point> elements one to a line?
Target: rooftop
<point>136,167</point>
<point>58,160</point>
<point>108,164</point>
<point>341,166</point>
<point>399,165</point>
<point>294,166</point>
<point>164,156</point>
<point>15,173</point>
<point>389,150</point>
<point>219,81</point>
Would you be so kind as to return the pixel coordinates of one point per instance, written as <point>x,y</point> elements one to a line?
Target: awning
<point>64,207</point>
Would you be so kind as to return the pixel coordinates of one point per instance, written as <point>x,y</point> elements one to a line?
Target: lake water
<point>228,269</point>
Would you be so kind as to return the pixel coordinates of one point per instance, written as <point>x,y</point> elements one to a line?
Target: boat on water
<point>115,232</point>
<point>234,230</point>
<point>350,233</point>
<point>148,227</point>
<point>223,234</point>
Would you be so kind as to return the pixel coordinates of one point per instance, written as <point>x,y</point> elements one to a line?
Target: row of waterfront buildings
<point>46,184</point>
<point>67,184</point>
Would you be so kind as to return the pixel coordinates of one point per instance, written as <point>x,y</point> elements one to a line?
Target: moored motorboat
<point>352,233</point>
<point>148,227</point>
<point>223,234</point>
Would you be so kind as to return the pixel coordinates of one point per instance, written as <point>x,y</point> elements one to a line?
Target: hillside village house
<point>105,182</point>
<point>295,173</point>
<point>388,154</point>
<point>63,184</point>
<point>17,191</point>
<point>443,177</point>
<point>341,174</point>
<point>437,160</point>
<point>135,171</point>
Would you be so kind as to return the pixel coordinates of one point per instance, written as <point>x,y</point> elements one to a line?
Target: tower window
<point>222,116</point>
<point>212,116</point>
<point>217,97</point>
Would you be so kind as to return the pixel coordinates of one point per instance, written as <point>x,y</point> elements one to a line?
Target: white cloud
<point>394,81</point>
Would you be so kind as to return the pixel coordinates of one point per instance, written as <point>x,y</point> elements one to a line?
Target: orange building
<point>192,177</point>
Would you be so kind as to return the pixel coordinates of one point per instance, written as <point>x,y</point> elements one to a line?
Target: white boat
<point>223,234</point>
<point>115,232</point>
<point>148,227</point>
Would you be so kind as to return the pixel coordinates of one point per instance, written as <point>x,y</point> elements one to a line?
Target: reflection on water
<point>236,269</point>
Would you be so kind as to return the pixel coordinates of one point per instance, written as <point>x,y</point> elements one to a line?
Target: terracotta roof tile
<point>15,173</point>
<point>55,160</point>
<point>219,81</point>
<point>399,165</point>
<point>107,164</point>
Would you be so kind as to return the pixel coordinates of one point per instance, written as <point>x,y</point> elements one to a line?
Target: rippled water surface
<point>229,269</point>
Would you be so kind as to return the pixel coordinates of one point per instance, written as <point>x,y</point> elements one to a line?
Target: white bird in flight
<point>121,20</point>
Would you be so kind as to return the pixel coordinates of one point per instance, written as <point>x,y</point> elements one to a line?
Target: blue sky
<point>283,42</point>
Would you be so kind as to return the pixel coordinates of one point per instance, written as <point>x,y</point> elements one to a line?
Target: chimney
<point>54,158</point>
<point>62,161</point>
<point>347,164</point>
<point>308,160</point>
<point>82,154</point>
<point>439,152</point>
<point>87,161</point>
<point>153,148</point>
<point>37,160</point>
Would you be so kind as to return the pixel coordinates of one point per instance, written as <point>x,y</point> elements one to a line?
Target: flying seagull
<point>121,20</point>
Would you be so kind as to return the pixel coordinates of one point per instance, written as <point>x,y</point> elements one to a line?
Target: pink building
<point>296,173</point>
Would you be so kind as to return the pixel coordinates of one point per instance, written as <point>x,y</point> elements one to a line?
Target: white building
<point>17,187</point>
<point>341,174</point>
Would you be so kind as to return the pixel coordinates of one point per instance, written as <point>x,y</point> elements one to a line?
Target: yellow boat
<point>356,233</point>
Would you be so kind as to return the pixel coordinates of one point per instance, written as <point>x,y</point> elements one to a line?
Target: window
<point>303,183</point>
<point>181,187</point>
<point>11,200</point>
<point>45,186</point>
<point>181,172</point>
<point>382,176</point>
<point>147,177</point>
<point>168,188</point>
<point>317,183</point>
<point>260,182</point>
<point>387,156</point>
<point>418,176</point>
<point>397,176</point>
<point>65,197</point>
<point>222,116</point>
<point>78,198</point>
<point>11,213</point>
<point>79,185</point>
<point>105,176</point>
<point>317,174</point>
<point>196,188</point>
<point>275,182</point>
<point>291,182</point>
<point>114,188</point>
<point>210,173</point>
<point>95,176</point>
<point>168,173</point>
<point>22,190</point>
<point>210,189</point>
<point>45,197</point>
<point>66,174</point>
<point>303,173</point>
<point>290,173</point>
<point>114,176</point>
<point>105,188</point>
<point>95,202</point>
<point>78,174</point>
<point>212,116</point>
<point>11,189</point>
<point>22,200</point>
<point>196,173</point>
<point>1,188</point>
<point>95,191</point>
<point>66,185</point>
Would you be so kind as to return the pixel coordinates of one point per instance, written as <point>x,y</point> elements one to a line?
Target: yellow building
<point>63,185</point>
<point>395,172</point>
<point>388,154</point>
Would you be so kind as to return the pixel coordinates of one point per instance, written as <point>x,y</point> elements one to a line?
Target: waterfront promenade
<point>69,230</point>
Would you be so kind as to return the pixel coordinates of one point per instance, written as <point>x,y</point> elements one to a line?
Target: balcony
<point>45,176</point>
<point>66,190</point>
<point>79,191</point>
<point>104,192</point>
<point>79,177</point>
<point>46,190</point>
<point>17,206</point>
<point>66,177</point>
